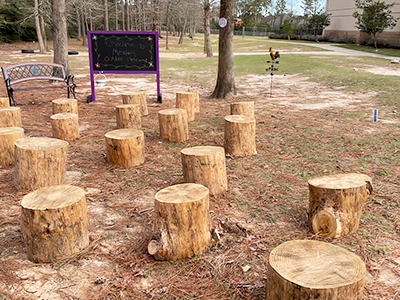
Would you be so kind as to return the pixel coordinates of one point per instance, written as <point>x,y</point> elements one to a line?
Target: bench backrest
<point>33,71</point>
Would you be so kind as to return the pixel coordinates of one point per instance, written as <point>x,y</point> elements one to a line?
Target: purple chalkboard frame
<point>93,72</point>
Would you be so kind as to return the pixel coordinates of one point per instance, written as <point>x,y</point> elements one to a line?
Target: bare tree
<point>42,48</point>
<point>60,38</point>
<point>116,14</point>
<point>207,39</point>
<point>105,15</point>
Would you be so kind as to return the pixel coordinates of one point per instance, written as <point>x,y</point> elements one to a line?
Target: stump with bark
<point>128,116</point>
<point>181,225</point>
<point>186,101</point>
<point>240,136</point>
<point>307,269</point>
<point>40,162</point>
<point>173,124</point>
<point>136,98</point>
<point>65,105</point>
<point>10,117</point>
<point>336,203</point>
<point>125,147</point>
<point>65,126</point>
<point>54,223</point>
<point>4,102</point>
<point>243,108</point>
<point>205,165</point>
<point>8,136</point>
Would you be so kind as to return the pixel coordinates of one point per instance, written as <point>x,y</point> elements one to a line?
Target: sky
<point>297,5</point>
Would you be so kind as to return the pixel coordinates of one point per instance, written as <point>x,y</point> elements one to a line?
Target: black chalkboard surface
<point>124,51</point>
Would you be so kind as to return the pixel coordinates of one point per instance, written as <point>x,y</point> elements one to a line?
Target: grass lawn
<point>370,49</point>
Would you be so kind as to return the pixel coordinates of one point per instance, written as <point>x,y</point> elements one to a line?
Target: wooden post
<point>335,203</point>
<point>305,270</point>
<point>136,98</point>
<point>65,105</point>
<point>243,108</point>
<point>65,126</point>
<point>8,136</point>
<point>173,124</point>
<point>240,136</point>
<point>40,162</point>
<point>128,116</point>
<point>205,165</point>
<point>186,101</point>
<point>181,226</point>
<point>10,117</point>
<point>54,223</point>
<point>4,102</point>
<point>196,101</point>
<point>125,147</point>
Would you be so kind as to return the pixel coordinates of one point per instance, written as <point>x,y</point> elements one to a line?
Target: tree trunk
<point>116,14</point>
<point>182,33</point>
<point>84,42</point>
<point>38,29</point>
<point>78,37</point>
<point>207,39</point>
<point>65,126</point>
<point>60,38</point>
<point>91,19</point>
<point>127,15</point>
<point>123,16</point>
<point>105,15</point>
<point>173,124</point>
<point>240,136</point>
<point>226,75</point>
<point>44,37</point>
<point>375,43</point>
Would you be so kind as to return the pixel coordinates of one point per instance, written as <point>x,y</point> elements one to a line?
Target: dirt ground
<point>304,130</point>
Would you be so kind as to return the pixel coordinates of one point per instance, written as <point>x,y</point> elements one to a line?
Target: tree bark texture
<point>243,108</point>
<point>60,38</point>
<point>125,147</point>
<point>128,116</point>
<point>54,223</point>
<point>4,102</point>
<point>40,162</point>
<point>181,225</point>
<point>136,98</point>
<point>205,165</point>
<point>186,101</point>
<point>207,39</point>
<point>173,125</point>
<point>116,14</point>
<point>196,101</point>
<point>106,15</point>
<point>336,202</point>
<point>38,28</point>
<point>65,126</point>
<point>10,117</point>
<point>307,269</point>
<point>65,105</point>
<point>240,136</point>
<point>8,136</point>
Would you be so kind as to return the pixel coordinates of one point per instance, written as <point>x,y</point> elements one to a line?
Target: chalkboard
<point>125,51</point>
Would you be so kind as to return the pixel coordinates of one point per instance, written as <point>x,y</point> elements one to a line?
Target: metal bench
<point>36,71</point>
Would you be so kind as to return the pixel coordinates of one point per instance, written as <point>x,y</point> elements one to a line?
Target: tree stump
<point>186,101</point>
<point>54,223</point>
<point>336,203</point>
<point>65,105</point>
<point>8,136</point>
<point>173,124</point>
<point>196,101</point>
<point>10,117</point>
<point>314,270</point>
<point>136,98</point>
<point>181,227</point>
<point>240,136</point>
<point>4,102</point>
<point>128,116</point>
<point>40,162</point>
<point>243,108</point>
<point>65,126</point>
<point>205,165</point>
<point>125,147</point>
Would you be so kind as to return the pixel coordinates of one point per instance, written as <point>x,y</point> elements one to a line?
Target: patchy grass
<point>371,49</point>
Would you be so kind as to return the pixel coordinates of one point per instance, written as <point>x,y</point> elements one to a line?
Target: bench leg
<point>11,97</point>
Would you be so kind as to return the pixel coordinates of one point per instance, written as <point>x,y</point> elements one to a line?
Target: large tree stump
<point>240,136</point>
<point>243,108</point>
<point>196,101</point>
<point>186,101</point>
<point>8,136</point>
<point>173,124</point>
<point>205,165</point>
<point>136,98</point>
<point>305,270</point>
<point>181,226</point>
<point>65,105</point>
<point>4,102</point>
<point>40,162</point>
<point>125,147</point>
<point>336,203</point>
<point>54,223</point>
<point>128,116</point>
<point>65,126</point>
<point>10,117</point>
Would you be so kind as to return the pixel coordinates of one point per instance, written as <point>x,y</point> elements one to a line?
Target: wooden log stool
<point>65,126</point>
<point>196,101</point>
<point>305,270</point>
<point>8,136</point>
<point>4,102</point>
<point>54,223</point>
<point>136,98</point>
<point>243,108</point>
<point>40,162</point>
<point>10,117</point>
<point>173,124</point>
<point>125,147</point>
<point>128,116</point>
<point>336,202</point>
<point>205,165</point>
<point>240,136</point>
<point>186,101</point>
<point>65,105</point>
<point>181,227</point>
